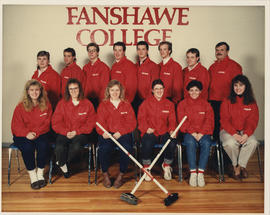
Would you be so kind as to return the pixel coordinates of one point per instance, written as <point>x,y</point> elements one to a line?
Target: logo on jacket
<point>192,78</point>
<point>44,114</point>
<point>44,82</point>
<point>145,73</point>
<point>247,109</point>
<point>95,74</point>
<point>124,112</point>
<point>166,73</point>
<point>84,113</point>
<point>202,112</point>
<point>221,72</point>
<point>66,77</point>
<point>165,111</point>
<point>118,72</point>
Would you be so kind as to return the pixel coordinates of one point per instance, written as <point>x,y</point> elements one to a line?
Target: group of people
<point>144,96</point>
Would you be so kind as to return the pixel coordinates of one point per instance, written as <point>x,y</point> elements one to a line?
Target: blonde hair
<point>110,85</point>
<point>26,99</point>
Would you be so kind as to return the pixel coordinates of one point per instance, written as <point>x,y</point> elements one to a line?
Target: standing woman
<point>198,128</point>
<point>117,117</point>
<point>239,118</point>
<point>156,121</point>
<point>74,118</point>
<point>30,126</point>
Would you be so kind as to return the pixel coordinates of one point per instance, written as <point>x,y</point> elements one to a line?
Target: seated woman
<point>156,121</point>
<point>117,117</point>
<point>30,126</point>
<point>73,120</point>
<point>239,117</point>
<point>198,128</point>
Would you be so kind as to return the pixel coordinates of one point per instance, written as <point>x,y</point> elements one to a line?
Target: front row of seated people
<point>74,119</point>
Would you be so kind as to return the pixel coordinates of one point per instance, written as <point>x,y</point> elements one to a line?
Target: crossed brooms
<point>130,197</point>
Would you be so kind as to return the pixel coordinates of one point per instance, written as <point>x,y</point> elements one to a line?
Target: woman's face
<point>239,88</point>
<point>34,92</point>
<point>194,92</point>
<point>42,62</point>
<point>192,59</point>
<point>74,91</point>
<point>114,92</point>
<point>158,91</point>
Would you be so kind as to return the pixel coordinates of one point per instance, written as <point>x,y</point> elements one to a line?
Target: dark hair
<point>70,50</point>
<point>93,44</point>
<point>194,51</point>
<point>166,43</point>
<point>194,83</point>
<point>143,43</point>
<point>157,81</point>
<point>73,81</point>
<point>43,53</point>
<point>247,94</point>
<point>223,43</point>
<point>120,44</point>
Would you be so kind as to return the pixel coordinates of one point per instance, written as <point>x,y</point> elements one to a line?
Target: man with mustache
<point>221,74</point>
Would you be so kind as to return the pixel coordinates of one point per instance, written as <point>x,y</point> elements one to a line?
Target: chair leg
<point>221,161</point>
<point>9,164</point>
<point>96,167</point>
<point>94,155</point>
<point>136,167</point>
<point>219,167</point>
<point>89,163</point>
<point>18,162</point>
<point>259,162</point>
<point>50,170</point>
<point>180,166</point>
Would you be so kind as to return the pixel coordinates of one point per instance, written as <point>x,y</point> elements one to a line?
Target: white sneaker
<point>193,179</point>
<point>167,172</point>
<point>147,178</point>
<point>201,182</point>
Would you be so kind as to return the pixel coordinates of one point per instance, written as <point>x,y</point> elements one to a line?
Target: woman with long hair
<point>30,126</point>
<point>73,120</point>
<point>117,117</point>
<point>239,117</point>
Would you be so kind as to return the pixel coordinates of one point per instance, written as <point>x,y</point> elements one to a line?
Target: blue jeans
<point>107,146</point>
<point>28,147</point>
<point>191,148</point>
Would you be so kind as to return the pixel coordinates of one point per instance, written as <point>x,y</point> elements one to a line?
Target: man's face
<point>92,53</point>
<point>192,59</point>
<point>164,51</point>
<point>221,52</point>
<point>68,58</point>
<point>118,52</point>
<point>142,51</point>
<point>42,62</point>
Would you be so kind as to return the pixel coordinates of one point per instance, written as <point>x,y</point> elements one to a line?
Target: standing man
<point>147,72</point>
<point>72,70</point>
<point>221,74</point>
<point>195,71</point>
<point>124,71</point>
<point>170,73</point>
<point>97,75</point>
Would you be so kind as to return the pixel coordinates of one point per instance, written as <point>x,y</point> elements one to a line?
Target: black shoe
<point>35,185</point>
<point>42,183</point>
<point>67,174</point>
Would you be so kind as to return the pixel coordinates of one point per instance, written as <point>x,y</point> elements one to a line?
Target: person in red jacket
<point>48,77</point>
<point>71,70</point>
<point>170,73</point>
<point>239,117</point>
<point>221,74</point>
<point>147,72</point>
<point>156,122</point>
<point>124,71</point>
<point>30,126</point>
<point>117,117</point>
<point>198,128</point>
<point>97,75</point>
<point>74,118</point>
<point>195,71</point>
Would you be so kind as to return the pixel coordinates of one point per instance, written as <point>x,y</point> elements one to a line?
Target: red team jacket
<point>121,119</point>
<point>172,76</point>
<point>126,72</point>
<point>200,116</point>
<point>199,73</point>
<point>239,117</point>
<point>68,117</point>
<point>71,71</point>
<point>97,78</point>
<point>51,82</point>
<point>35,120</point>
<point>159,115</point>
<point>221,75</point>
<point>148,71</point>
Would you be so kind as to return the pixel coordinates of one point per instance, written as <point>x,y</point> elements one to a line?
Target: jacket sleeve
<point>172,119</point>
<point>45,127</point>
<point>18,125</point>
<point>130,122</point>
<point>252,121</point>
<point>58,123</point>
<point>54,90</point>
<point>101,118</point>
<point>225,118</point>
<point>180,115</point>
<point>104,79</point>
<point>142,118</point>
<point>209,121</point>
<point>177,84</point>
<point>131,82</point>
<point>87,127</point>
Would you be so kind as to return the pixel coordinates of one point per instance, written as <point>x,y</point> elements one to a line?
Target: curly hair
<point>110,85</point>
<point>42,99</point>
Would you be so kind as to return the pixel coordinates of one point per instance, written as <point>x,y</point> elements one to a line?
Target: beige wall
<point>28,29</point>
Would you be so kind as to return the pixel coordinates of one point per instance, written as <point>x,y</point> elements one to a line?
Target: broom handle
<point>157,157</point>
<point>132,158</point>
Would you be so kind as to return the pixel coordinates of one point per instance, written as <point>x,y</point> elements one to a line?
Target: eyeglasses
<point>161,88</point>
<point>75,88</point>
<point>92,51</point>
